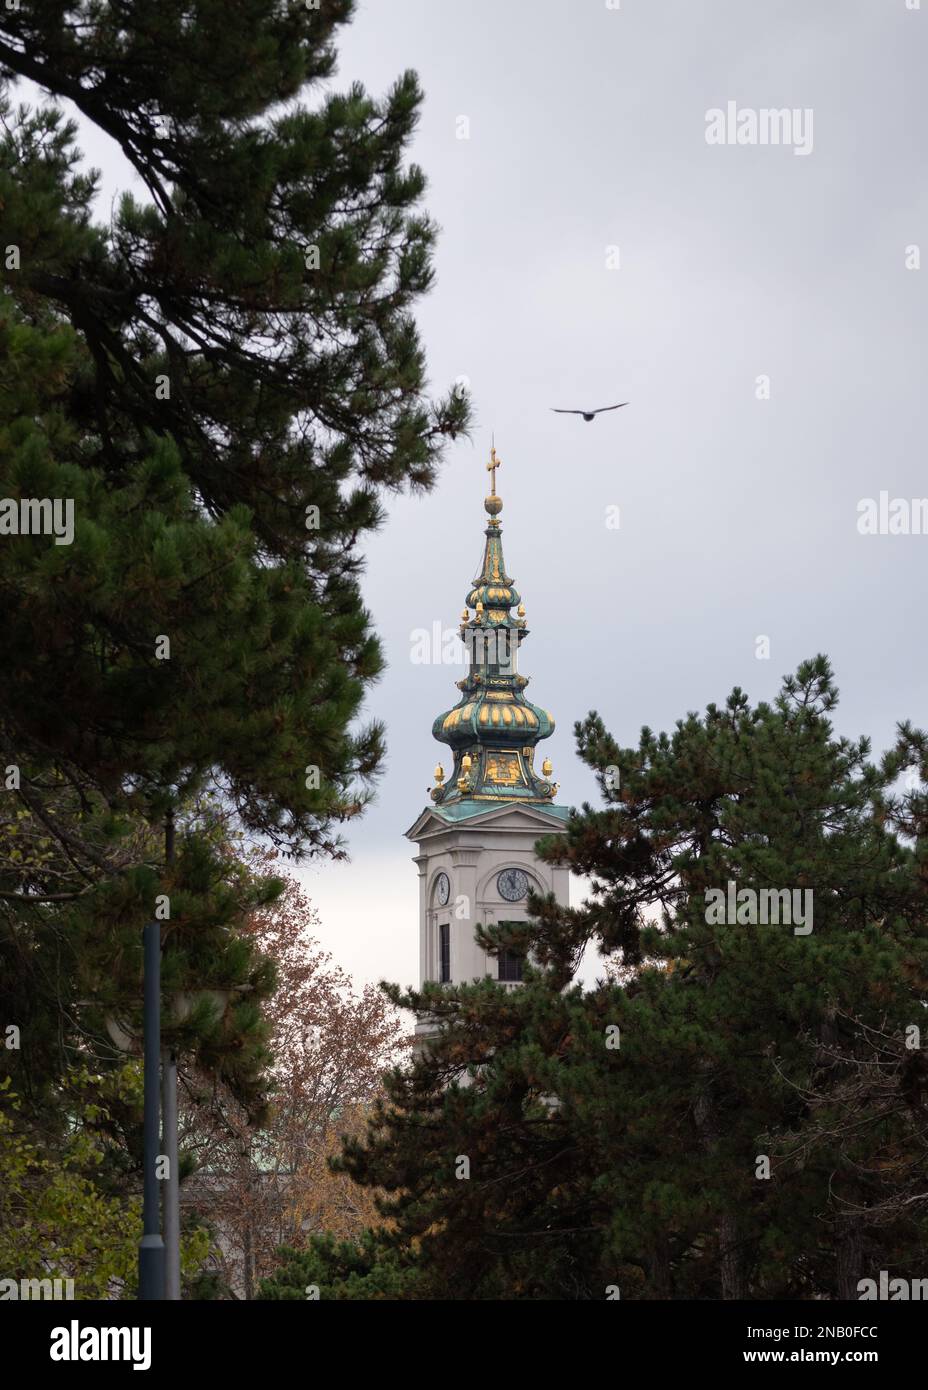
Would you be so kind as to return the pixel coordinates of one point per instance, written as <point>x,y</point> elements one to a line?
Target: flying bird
<point>588,414</point>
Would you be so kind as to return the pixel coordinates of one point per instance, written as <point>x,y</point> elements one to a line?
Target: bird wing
<point>565,412</point>
<point>608,407</point>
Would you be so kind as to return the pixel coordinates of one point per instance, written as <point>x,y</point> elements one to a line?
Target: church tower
<point>476,859</point>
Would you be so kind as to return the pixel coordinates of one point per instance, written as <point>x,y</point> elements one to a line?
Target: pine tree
<point>733,1110</point>
<point>218,386</point>
<point>223,380</point>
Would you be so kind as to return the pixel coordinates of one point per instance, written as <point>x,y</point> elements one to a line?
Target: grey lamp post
<point>151,1248</point>
<point>170,1187</point>
<point>159,1260</point>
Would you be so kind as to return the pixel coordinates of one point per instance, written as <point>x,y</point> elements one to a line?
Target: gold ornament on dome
<point>503,768</point>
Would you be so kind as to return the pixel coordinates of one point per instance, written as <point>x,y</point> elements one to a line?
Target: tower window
<point>444,953</point>
<point>510,966</point>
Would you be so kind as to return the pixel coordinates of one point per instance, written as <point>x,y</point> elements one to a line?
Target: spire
<point>493,729</point>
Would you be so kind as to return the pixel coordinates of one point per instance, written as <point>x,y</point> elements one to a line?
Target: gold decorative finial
<point>439,774</point>
<point>491,469</point>
<point>493,504</point>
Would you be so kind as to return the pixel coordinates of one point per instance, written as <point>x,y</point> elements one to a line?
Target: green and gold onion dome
<point>493,729</point>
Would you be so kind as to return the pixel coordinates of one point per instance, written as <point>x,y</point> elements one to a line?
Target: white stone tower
<point>476,855</point>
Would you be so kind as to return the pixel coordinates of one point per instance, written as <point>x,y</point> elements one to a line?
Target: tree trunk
<point>659,1270</point>
<point>849,1257</point>
<point>730,1269</point>
<point>249,1265</point>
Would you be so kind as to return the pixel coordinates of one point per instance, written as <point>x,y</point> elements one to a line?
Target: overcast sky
<point>738,515</point>
<point>586,126</point>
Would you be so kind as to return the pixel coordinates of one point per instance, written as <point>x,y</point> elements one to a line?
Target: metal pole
<point>151,1248</point>
<point>170,1187</point>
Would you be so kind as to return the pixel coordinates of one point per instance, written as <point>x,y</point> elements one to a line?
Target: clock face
<point>512,885</point>
<point>442,889</point>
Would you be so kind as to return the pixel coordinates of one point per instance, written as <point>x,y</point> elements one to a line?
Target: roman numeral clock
<point>476,841</point>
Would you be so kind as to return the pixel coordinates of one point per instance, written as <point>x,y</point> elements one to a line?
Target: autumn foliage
<point>263,1188</point>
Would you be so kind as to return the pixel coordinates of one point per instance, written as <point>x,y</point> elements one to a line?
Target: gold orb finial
<point>547,768</point>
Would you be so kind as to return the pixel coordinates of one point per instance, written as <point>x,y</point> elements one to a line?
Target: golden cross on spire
<point>491,469</point>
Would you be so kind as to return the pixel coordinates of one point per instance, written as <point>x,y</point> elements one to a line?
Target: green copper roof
<point>463,810</point>
<point>493,729</point>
